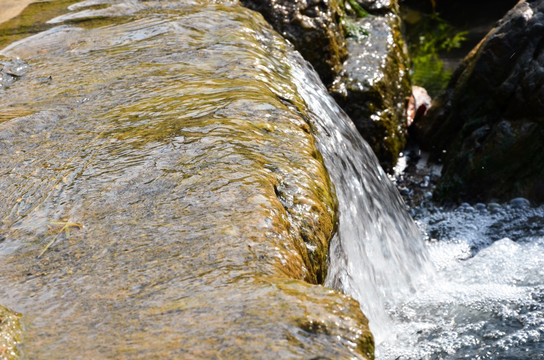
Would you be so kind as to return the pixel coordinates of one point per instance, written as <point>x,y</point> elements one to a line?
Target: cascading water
<point>485,302</point>
<point>378,252</point>
<point>488,300</point>
<point>475,290</point>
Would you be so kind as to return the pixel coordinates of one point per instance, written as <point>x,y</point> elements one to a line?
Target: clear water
<point>172,139</point>
<point>378,253</point>
<point>473,290</point>
<point>487,300</point>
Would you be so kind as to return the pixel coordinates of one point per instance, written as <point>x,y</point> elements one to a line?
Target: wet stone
<point>377,5</point>
<point>147,208</point>
<point>374,85</point>
<point>312,26</point>
<point>488,125</point>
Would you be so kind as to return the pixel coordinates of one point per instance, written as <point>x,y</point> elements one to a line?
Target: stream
<point>165,195</point>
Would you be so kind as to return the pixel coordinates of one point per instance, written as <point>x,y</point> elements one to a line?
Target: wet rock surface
<point>148,212</point>
<point>10,334</point>
<point>374,85</point>
<point>488,125</point>
<point>313,26</point>
<point>375,6</point>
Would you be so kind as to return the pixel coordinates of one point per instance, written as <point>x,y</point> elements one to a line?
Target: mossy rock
<point>374,85</point>
<point>176,204</point>
<point>312,26</point>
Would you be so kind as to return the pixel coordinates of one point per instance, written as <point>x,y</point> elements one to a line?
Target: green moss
<point>353,30</point>
<point>352,7</point>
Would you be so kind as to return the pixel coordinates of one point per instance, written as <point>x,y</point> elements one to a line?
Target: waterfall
<point>378,251</point>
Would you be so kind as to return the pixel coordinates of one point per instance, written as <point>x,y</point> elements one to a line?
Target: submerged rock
<point>163,193</point>
<point>313,26</point>
<point>488,125</point>
<point>375,85</point>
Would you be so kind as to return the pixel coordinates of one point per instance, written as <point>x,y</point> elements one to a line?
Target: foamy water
<point>487,300</point>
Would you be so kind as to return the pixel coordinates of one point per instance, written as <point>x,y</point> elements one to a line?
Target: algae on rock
<point>10,334</point>
<point>313,28</point>
<point>374,85</point>
<point>180,141</point>
<point>366,73</point>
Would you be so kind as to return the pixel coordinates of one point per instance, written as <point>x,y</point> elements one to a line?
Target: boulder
<point>488,125</point>
<point>163,195</point>
<point>374,85</point>
<point>312,26</point>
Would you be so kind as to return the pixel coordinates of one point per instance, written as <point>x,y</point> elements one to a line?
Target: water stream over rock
<point>163,195</point>
<point>163,166</point>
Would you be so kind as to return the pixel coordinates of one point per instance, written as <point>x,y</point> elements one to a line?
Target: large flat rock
<point>163,196</point>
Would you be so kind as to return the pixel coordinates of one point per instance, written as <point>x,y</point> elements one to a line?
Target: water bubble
<point>519,203</point>
<point>480,207</point>
<point>494,208</point>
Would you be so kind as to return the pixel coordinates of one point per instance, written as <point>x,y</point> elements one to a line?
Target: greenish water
<point>32,20</point>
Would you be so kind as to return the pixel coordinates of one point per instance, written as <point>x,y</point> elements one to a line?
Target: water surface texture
<point>487,300</point>
<point>162,191</point>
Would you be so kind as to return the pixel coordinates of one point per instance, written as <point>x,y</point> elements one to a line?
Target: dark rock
<point>312,26</point>
<point>490,122</point>
<point>456,11</point>
<point>374,86</point>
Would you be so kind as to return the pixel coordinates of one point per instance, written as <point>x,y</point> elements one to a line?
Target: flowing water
<point>378,254</point>
<point>162,186</point>
<point>487,300</point>
<point>162,192</point>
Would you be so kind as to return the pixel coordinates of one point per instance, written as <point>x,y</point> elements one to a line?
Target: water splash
<point>487,302</point>
<point>378,252</point>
